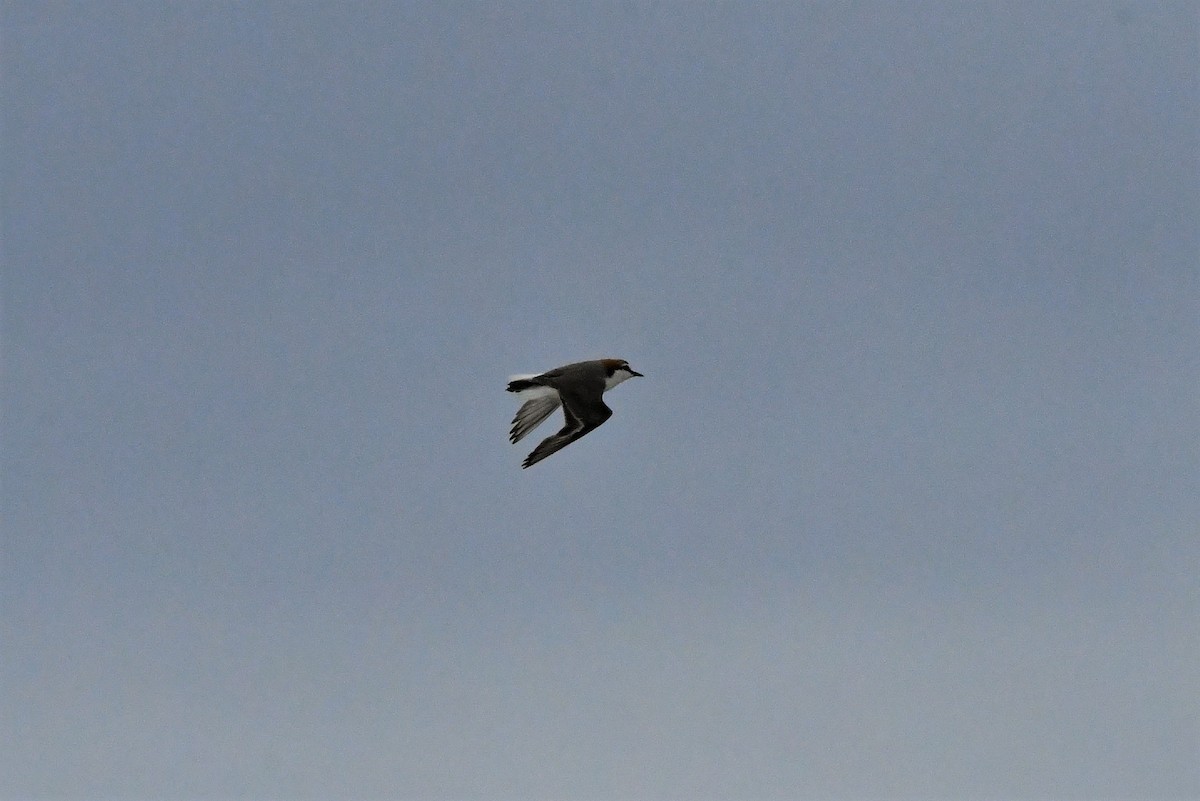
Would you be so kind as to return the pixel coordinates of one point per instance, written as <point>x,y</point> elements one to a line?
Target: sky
<point>906,505</point>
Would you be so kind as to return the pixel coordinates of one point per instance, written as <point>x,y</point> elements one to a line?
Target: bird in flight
<point>578,389</point>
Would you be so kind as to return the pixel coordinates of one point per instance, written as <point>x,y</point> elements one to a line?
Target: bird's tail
<point>517,383</point>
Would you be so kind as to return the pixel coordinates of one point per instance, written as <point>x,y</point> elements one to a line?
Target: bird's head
<point>616,371</point>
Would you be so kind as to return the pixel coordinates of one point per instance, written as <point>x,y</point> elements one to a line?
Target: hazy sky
<point>906,506</point>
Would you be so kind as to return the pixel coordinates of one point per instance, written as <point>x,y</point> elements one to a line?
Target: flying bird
<point>578,389</point>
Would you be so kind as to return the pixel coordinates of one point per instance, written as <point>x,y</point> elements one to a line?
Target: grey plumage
<point>531,414</point>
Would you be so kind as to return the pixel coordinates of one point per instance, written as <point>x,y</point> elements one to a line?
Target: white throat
<point>619,375</point>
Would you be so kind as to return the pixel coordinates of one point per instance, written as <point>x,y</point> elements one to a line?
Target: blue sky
<point>905,507</point>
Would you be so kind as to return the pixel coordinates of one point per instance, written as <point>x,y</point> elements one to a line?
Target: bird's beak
<point>636,373</point>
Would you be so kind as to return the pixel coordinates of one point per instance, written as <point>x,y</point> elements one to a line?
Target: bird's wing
<point>531,414</point>
<point>584,412</point>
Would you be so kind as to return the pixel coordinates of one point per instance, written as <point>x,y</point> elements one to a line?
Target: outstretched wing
<point>584,412</point>
<point>531,414</point>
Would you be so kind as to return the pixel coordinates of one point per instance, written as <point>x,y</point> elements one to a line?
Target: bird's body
<point>578,388</point>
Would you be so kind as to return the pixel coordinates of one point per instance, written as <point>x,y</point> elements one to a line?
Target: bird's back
<point>578,375</point>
